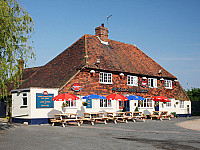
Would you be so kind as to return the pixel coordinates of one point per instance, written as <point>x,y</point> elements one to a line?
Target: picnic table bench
<point>94,117</point>
<point>65,119</point>
<point>136,116</point>
<point>117,116</point>
<point>160,115</point>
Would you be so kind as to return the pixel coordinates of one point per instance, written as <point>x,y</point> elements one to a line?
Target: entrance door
<point>126,105</point>
<point>157,107</point>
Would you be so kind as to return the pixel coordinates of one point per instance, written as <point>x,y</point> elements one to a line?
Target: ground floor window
<point>145,103</point>
<point>181,104</point>
<point>71,103</point>
<point>168,104</point>
<point>105,103</point>
<point>24,99</point>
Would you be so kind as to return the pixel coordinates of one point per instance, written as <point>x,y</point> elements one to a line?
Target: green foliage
<point>194,94</point>
<point>84,103</point>
<point>16,27</point>
<point>136,109</point>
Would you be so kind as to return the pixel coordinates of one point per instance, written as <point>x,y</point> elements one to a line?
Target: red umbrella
<point>65,97</point>
<point>160,99</point>
<point>118,97</point>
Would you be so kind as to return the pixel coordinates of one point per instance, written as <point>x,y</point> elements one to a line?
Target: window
<point>181,104</point>
<point>105,103</point>
<point>132,80</point>
<point>152,82</point>
<point>168,84</point>
<point>105,78</point>
<point>168,104</point>
<point>24,99</point>
<point>145,103</point>
<point>71,103</point>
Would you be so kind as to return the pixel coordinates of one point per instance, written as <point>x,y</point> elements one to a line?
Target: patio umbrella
<point>65,97</point>
<point>135,97</point>
<point>118,97</point>
<point>93,96</point>
<point>160,99</point>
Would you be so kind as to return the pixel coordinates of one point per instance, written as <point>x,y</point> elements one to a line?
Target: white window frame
<point>168,104</point>
<point>132,80</point>
<point>147,103</point>
<point>182,104</point>
<point>105,78</point>
<point>168,84</point>
<point>23,97</point>
<point>154,84</point>
<point>104,103</point>
<point>71,103</point>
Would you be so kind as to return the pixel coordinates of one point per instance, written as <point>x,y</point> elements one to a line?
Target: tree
<point>16,28</point>
<point>194,94</point>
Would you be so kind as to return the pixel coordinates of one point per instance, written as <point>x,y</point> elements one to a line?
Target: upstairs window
<point>24,99</point>
<point>132,80</point>
<point>105,78</point>
<point>168,84</point>
<point>152,82</point>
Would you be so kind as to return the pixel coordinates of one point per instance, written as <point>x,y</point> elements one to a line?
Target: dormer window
<point>132,80</point>
<point>168,84</point>
<point>152,82</point>
<point>105,78</point>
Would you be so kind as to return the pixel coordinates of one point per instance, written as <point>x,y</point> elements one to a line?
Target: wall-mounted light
<point>144,78</point>
<point>175,80</point>
<point>92,72</point>
<point>161,79</point>
<point>121,75</point>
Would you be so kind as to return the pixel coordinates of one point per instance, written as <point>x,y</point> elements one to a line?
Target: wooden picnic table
<point>160,115</point>
<point>135,116</point>
<point>65,118</point>
<point>94,117</point>
<point>117,116</point>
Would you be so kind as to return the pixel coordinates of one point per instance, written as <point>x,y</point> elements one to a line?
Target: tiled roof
<point>122,57</point>
<point>116,56</point>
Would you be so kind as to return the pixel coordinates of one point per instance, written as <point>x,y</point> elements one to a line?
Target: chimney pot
<point>102,33</point>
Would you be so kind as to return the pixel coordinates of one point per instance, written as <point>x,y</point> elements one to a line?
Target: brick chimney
<point>102,33</point>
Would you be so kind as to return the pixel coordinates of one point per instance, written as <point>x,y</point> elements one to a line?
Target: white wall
<point>17,108</point>
<point>44,112</point>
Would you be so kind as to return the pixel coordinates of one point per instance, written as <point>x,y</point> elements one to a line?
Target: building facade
<point>99,66</point>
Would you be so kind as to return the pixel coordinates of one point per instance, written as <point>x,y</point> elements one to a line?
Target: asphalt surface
<point>149,135</point>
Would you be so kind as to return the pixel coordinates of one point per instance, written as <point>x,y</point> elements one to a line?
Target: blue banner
<point>89,103</point>
<point>44,101</point>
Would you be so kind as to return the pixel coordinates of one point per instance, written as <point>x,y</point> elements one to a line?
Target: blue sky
<point>166,30</point>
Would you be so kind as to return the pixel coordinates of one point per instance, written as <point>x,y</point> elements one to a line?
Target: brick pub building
<point>99,66</point>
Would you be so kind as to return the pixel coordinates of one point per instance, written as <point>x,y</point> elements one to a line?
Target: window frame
<point>168,84</point>
<point>71,103</point>
<point>132,80</point>
<point>104,103</point>
<point>23,97</point>
<point>145,102</point>
<point>155,82</point>
<point>181,104</point>
<point>105,78</point>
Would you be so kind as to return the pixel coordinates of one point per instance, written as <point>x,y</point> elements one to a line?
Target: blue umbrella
<point>93,96</point>
<point>135,97</point>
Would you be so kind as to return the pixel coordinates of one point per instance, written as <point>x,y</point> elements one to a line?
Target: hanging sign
<point>144,83</point>
<point>76,87</point>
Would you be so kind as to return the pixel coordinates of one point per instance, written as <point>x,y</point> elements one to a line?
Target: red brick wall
<point>90,85</point>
